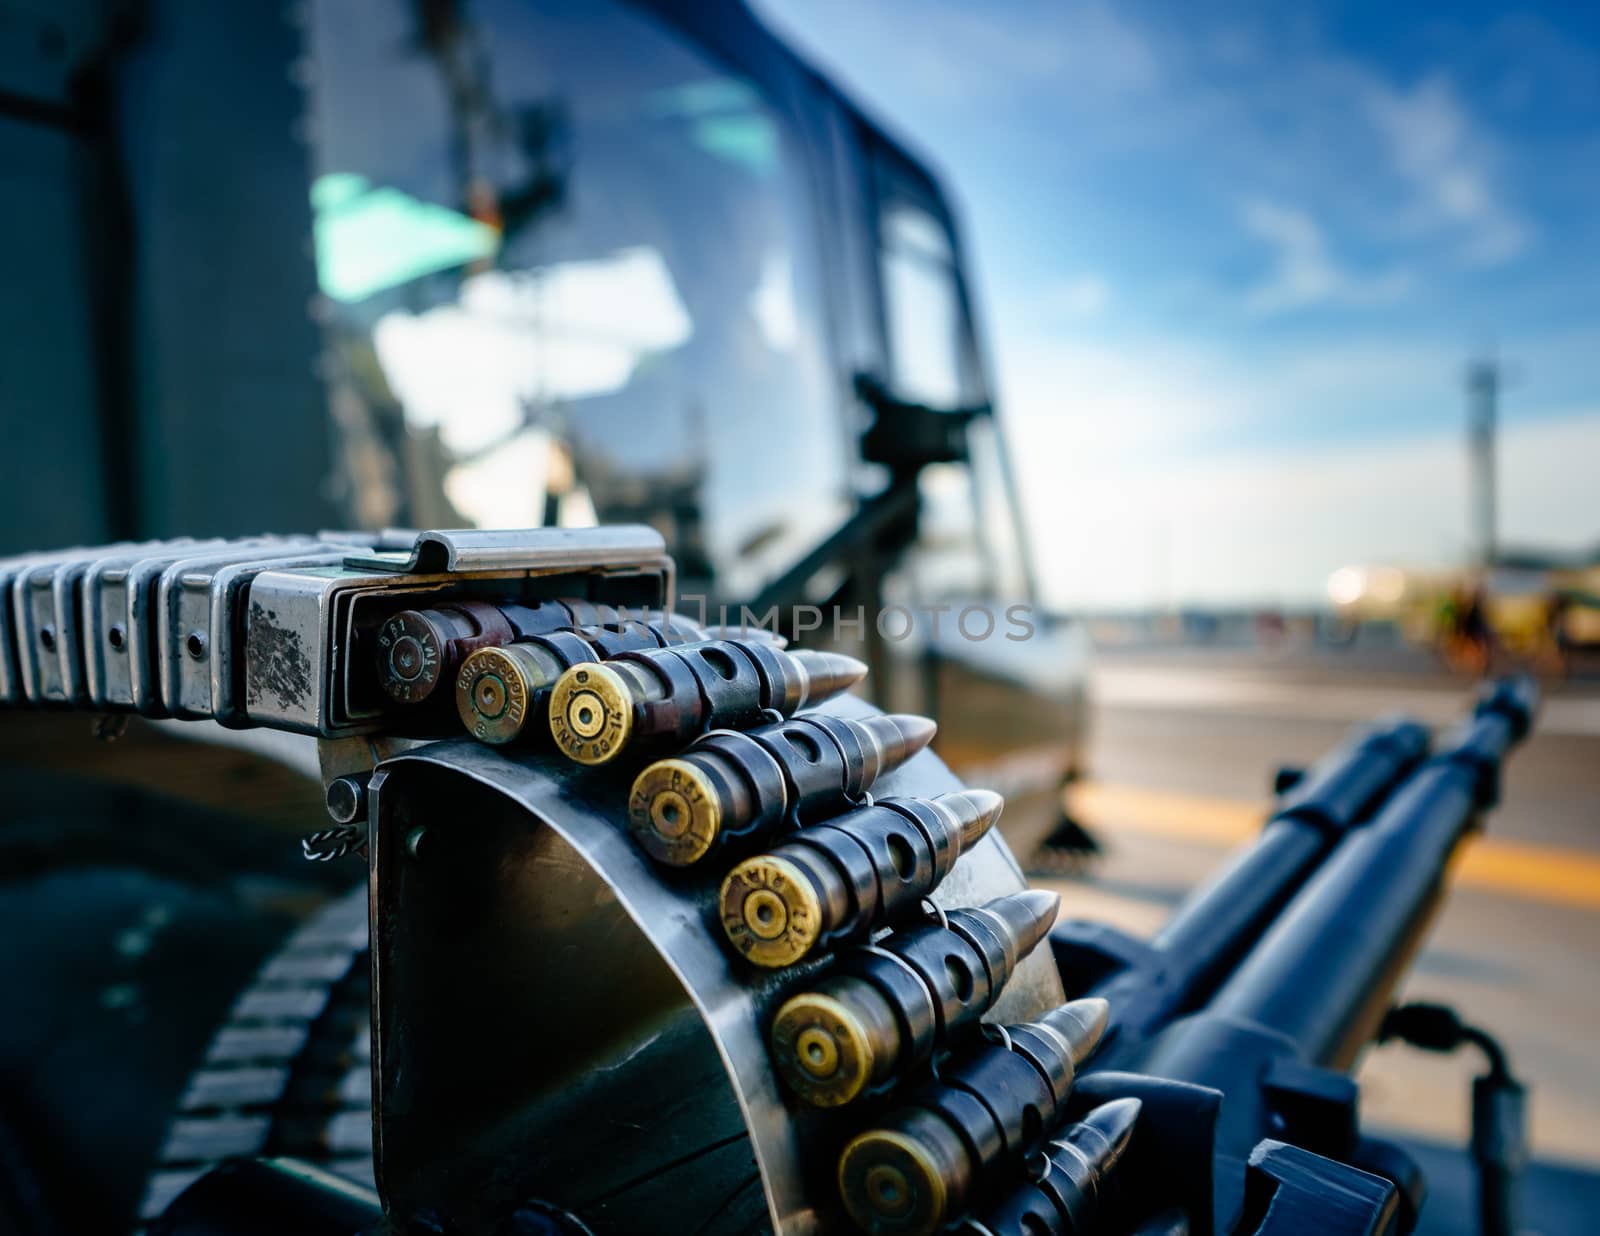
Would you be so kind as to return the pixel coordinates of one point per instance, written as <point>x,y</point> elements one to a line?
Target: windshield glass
<point>569,277</point>
<point>967,544</point>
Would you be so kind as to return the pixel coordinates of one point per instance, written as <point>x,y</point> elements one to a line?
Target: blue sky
<point>1232,259</point>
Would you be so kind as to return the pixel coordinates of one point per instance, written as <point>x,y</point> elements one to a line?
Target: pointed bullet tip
<point>915,732</point>
<point>977,810</point>
<point>846,666</point>
<point>889,740</point>
<point>1099,1141</point>
<point>829,674</point>
<point>897,737</point>
<point>1082,1023</point>
<point>1115,1122</point>
<point>1031,913</point>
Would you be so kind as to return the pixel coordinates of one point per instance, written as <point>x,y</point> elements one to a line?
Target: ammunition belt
<point>280,631</point>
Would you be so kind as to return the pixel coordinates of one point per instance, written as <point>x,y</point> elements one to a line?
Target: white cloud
<point>1434,144</point>
<point>1304,273</point>
<point>965,54</point>
<point>1108,51</point>
<point>1273,527</point>
<point>1132,504</point>
<point>1150,394</point>
<point>1072,396</point>
<point>1400,163</point>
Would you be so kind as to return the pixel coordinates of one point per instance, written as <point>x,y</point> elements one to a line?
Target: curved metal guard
<point>556,1017</point>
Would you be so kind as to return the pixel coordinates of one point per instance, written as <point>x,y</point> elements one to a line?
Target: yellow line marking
<point>1542,873</point>
<point>1179,817</point>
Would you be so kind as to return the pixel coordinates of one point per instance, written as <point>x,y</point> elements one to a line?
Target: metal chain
<point>335,842</point>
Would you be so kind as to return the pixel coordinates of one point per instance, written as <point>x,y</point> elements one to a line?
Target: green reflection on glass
<point>370,239</point>
<point>725,118</point>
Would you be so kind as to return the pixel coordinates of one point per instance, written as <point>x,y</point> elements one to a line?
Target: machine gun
<point>1237,1023</point>
<point>772,969</point>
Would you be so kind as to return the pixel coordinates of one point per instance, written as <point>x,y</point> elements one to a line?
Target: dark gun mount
<point>906,435</point>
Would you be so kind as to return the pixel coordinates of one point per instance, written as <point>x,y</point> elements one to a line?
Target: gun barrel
<point>1206,937</point>
<point>1323,975</point>
<point>1207,933</point>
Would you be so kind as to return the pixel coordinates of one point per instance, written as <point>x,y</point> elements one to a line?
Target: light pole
<point>1483,398</point>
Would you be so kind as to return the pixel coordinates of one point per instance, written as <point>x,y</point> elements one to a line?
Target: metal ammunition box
<point>307,660</point>
<point>277,631</point>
